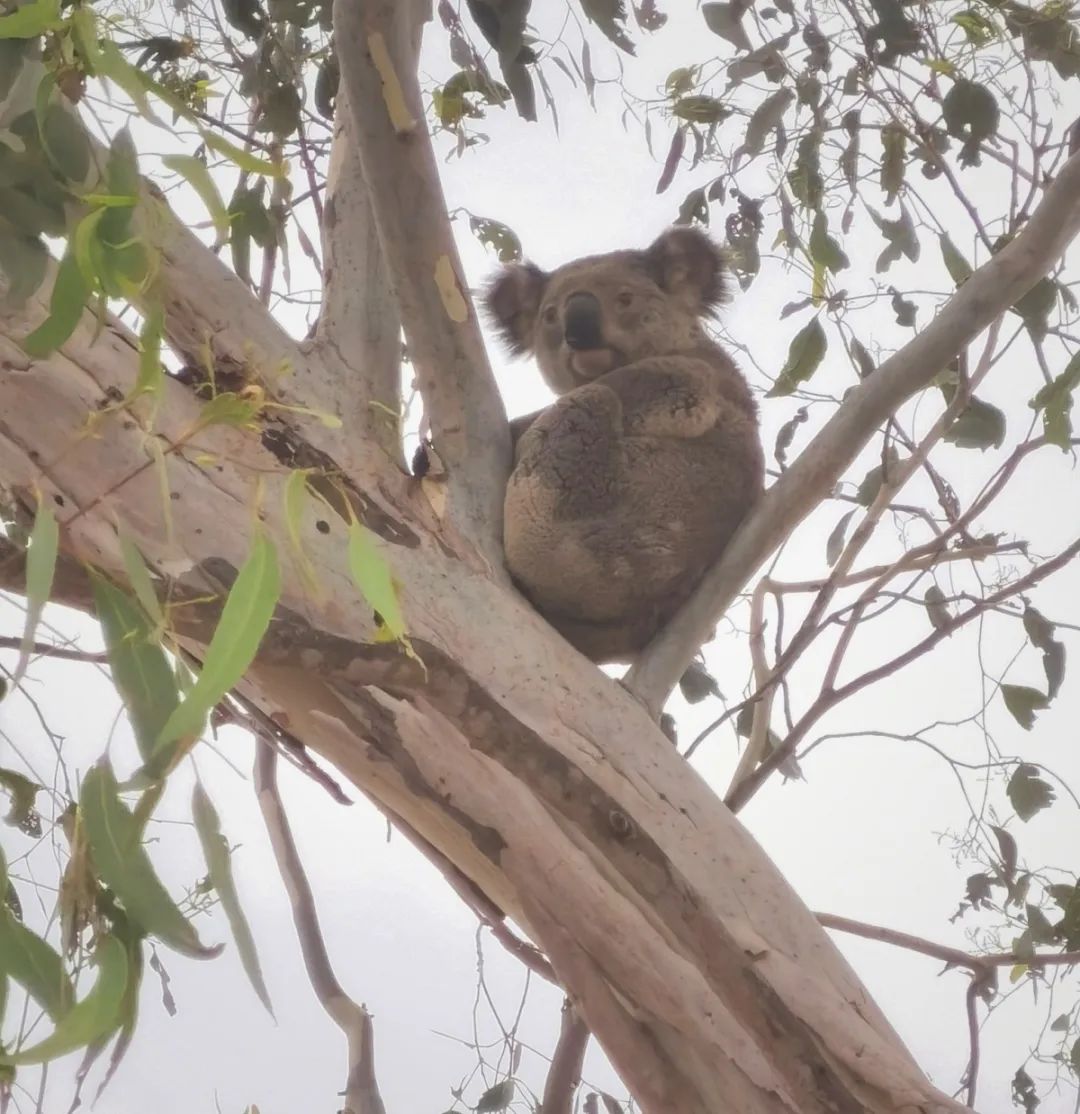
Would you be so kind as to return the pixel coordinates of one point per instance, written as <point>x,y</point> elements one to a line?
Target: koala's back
<point>610,548</point>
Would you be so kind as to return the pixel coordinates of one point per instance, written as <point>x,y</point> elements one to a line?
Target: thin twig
<point>361,1088</point>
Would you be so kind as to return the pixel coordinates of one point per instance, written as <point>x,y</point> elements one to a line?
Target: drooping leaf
<point>219,864</point>
<point>893,159</point>
<point>978,426</point>
<point>805,179</point>
<point>1040,632</point>
<point>23,792</point>
<point>862,358</point>
<point>825,251</point>
<point>958,267</point>
<point>671,163</point>
<point>1055,400</point>
<point>767,60</point>
<point>901,237</point>
<point>69,294</point>
<point>971,113</point>
<point>115,838</point>
<point>871,483</point>
<point>371,574</point>
<point>700,109</point>
<point>141,671</point>
<point>765,118</point>
<point>197,175</point>
<point>1028,793</point>
<point>496,1098</point>
<point>610,17</point>
<point>904,308</point>
<point>936,608</point>
<point>244,618</point>
<point>34,965</point>
<point>835,545</point>
<point>787,434</point>
<point>805,353</point>
<point>40,567</point>
<point>90,1020</point>
<point>1023,702</point>
<point>725,20</point>
<point>1008,851</point>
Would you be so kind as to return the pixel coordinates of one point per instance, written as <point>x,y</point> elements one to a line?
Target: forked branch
<point>378,76</point>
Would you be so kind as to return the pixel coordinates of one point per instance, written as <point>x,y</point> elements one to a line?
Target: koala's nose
<point>581,319</point>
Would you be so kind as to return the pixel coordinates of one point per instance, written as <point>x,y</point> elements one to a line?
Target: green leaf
<point>244,619</point>
<point>65,143</point>
<point>978,426</point>
<point>725,20</point>
<point>904,309</point>
<point>862,358</point>
<point>824,249</point>
<point>23,813</point>
<point>86,247</point>
<point>90,1020</point>
<point>871,483</point>
<point>767,60</point>
<point>494,234</point>
<point>23,260</point>
<point>1040,631</point>
<point>219,865</point>
<point>230,409</point>
<point>40,567</point>
<point>979,30</point>
<point>893,159</point>
<point>197,175</point>
<point>239,157</point>
<point>139,578</point>
<point>701,109</point>
<point>35,965</point>
<point>1036,306</point>
<point>805,179</point>
<point>31,19</point>
<point>805,353</point>
<point>1023,702</point>
<point>1061,1023</point>
<point>371,574</point>
<point>958,267</point>
<point>936,608</point>
<point>971,113</point>
<point>13,55</point>
<point>151,378</point>
<point>609,15</point>
<point>496,1098</point>
<point>84,34</point>
<point>69,294</point>
<point>766,118</point>
<point>849,159</point>
<point>1028,793</point>
<point>835,545</point>
<point>901,236</point>
<point>115,838</point>
<point>1055,401</point>
<point>140,668</point>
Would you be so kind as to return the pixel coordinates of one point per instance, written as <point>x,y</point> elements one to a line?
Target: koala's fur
<point>629,486</point>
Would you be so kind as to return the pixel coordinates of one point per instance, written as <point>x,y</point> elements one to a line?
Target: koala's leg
<point>667,396</point>
<point>574,449</point>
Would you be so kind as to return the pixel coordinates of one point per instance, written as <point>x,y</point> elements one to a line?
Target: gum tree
<point>232,503</point>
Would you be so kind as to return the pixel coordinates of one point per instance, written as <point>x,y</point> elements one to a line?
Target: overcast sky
<point>860,837</point>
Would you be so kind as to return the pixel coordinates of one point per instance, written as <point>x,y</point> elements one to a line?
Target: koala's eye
<point>624,299</point>
<point>549,315</point>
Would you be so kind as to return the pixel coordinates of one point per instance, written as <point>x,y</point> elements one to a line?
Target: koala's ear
<point>512,301</point>
<point>687,264</point>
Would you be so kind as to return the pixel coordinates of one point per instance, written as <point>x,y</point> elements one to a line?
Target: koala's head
<point>599,313</point>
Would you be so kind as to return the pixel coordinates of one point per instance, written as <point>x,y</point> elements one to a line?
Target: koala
<point>628,487</point>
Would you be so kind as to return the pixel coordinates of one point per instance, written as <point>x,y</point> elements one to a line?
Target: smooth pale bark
<point>693,962</point>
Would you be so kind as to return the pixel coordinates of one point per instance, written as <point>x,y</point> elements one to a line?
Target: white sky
<point>860,837</point>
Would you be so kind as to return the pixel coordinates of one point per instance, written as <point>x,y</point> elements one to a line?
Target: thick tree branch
<point>692,961</point>
<point>441,328</point>
<point>991,290</point>
<point>359,333</point>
